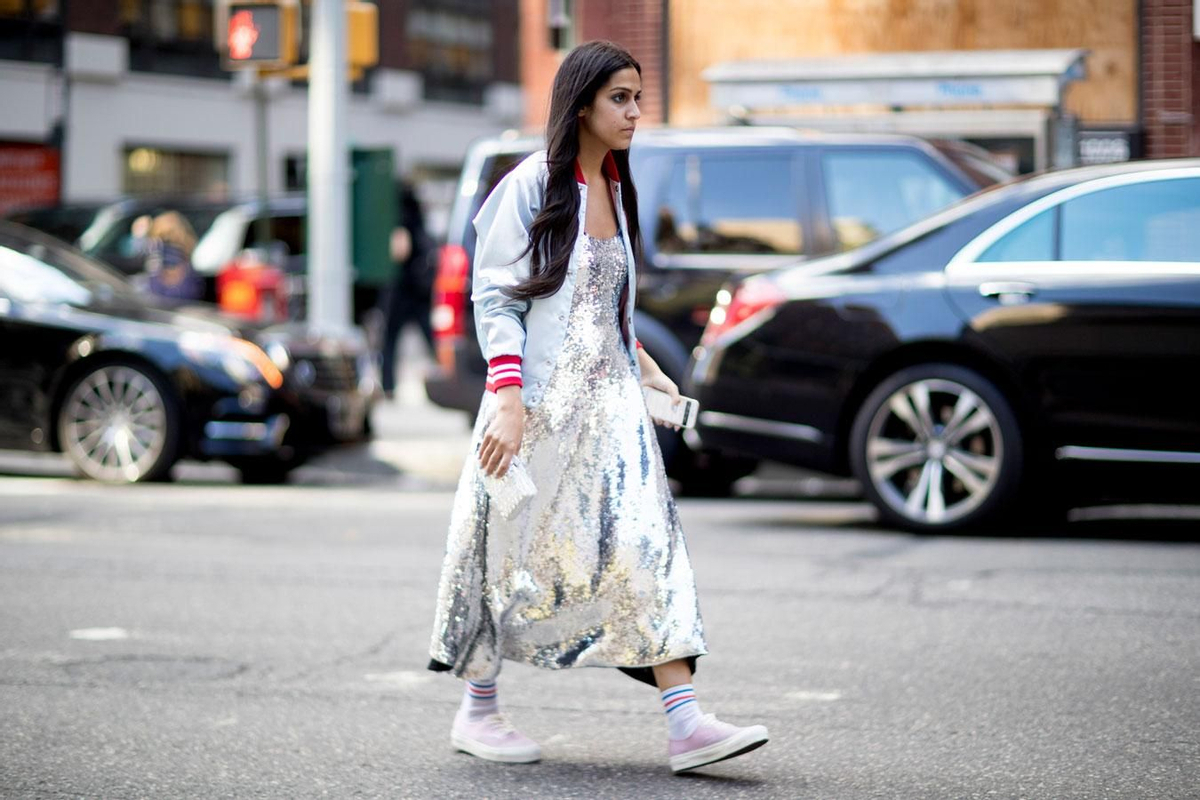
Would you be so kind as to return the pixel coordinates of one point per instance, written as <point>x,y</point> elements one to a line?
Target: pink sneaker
<point>714,741</point>
<point>493,738</point>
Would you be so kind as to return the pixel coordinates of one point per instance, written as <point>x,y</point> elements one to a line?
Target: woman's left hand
<point>655,378</point>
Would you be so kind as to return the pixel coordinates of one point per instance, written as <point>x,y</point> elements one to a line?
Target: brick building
<point>1131,95</point>
<point>1170,70</point>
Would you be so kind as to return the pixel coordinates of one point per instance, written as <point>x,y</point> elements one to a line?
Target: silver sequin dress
<point>593,571</point>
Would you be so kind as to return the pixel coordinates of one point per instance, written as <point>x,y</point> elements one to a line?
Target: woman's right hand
<point>502,439</point>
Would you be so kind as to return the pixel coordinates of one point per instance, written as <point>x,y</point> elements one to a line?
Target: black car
<point>125,386</point>
<point>1012,351</point>
<point>713,203</point>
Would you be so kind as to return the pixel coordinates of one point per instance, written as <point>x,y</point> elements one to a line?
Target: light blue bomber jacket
<point>521,339</point>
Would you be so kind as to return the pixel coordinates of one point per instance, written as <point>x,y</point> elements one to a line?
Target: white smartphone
<point>659,404</point>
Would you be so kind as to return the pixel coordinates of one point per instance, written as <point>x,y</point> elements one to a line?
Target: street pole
<point>263,223</point>
<point>329,303</point>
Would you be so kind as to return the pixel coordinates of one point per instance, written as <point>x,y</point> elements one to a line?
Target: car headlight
<point>241,360</point>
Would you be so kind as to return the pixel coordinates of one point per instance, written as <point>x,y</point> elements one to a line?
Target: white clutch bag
<point>512,491</point>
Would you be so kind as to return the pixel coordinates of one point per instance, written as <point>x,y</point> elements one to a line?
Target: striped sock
<point>480,699</point>
<point>683,712</point>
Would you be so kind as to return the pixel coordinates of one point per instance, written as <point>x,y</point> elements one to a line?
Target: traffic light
<point>362,24</point>
<point>258,33</point>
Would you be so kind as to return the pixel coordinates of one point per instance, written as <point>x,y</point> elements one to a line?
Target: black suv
<point>713,204</point>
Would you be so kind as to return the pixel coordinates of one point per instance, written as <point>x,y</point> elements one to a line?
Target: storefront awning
<point>929,79</point>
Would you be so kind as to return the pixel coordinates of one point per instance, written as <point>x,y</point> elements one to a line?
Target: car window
<point>221,241</point>
<point>28,280</point>
<point>35,272</point>
<point>1150,221</point>
<point>730,204</point>
<point>1032,240</point>
<point>873,193</point>
<point>288,229</point>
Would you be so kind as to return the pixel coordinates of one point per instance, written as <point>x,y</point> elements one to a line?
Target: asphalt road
<point>203,639</point>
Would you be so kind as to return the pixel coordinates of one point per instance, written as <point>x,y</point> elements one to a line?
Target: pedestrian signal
<point>258,33</point>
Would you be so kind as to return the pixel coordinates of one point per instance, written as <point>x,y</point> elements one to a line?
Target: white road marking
<point>402,679</point>
<point>99,634</point>
<point>820,697</point>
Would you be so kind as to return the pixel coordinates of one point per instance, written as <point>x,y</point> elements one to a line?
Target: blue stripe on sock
<point>667,695</point>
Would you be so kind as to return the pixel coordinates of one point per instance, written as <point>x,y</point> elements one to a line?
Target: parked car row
<point>125,386</point>
<point>1031,346</point>
<point>233,237</point>
<point>713,203</point>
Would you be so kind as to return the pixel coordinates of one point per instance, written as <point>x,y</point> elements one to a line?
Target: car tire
<point>119,423</point>
<point>937,447</point>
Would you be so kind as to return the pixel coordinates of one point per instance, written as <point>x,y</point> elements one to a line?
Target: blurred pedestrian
<point>593,570</point>
<point>170,242</point>
<point>410,294</point>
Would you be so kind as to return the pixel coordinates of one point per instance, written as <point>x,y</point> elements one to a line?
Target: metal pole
<point>262,232</point>
<point>329,304</point>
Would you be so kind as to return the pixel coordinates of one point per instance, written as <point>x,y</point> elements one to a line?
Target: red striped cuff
<point>504,371</point>
<point>639,344</point>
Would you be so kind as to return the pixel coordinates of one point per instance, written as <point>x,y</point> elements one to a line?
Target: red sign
<point>243,33</point>
<point>29,175</point>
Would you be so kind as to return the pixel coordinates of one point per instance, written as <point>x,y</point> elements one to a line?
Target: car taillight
<point>252,290</point>
<point>447,316</point>
<point>751,298</point>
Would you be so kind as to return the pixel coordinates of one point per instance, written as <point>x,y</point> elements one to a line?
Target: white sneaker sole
<point>509,755</point>
<point>740,743</point>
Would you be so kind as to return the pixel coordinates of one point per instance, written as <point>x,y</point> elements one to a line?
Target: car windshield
<point>35,271</point>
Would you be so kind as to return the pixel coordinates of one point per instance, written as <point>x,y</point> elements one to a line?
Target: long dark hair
<point>552,235</point>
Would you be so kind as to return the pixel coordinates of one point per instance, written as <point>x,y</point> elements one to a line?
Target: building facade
<point>113,97</point>
<point>1117,78</point>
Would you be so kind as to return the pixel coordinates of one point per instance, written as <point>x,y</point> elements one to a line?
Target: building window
<point>30,30</point>
<point>171,36</point>
<point>451,46</point>
<point>44,10</point>
<point>560,18</point>
<point>148,170</point>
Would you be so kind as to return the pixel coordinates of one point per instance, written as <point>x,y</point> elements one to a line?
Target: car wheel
<point>937,447</point>
<point>118,423</point>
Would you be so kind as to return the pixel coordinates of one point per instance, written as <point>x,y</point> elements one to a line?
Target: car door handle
<point>1010,289</point>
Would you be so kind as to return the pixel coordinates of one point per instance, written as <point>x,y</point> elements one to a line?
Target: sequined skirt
<point>594,570</point>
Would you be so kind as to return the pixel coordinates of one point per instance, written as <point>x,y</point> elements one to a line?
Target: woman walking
<point>593,570</point>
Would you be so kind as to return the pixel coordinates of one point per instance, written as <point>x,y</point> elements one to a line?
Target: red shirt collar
<point>610,169</point>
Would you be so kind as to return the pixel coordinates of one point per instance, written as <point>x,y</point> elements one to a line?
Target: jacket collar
<point>609,167</point>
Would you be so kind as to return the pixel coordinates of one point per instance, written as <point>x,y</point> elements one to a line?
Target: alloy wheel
<point>934,450</point>
<point>114,424</point>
